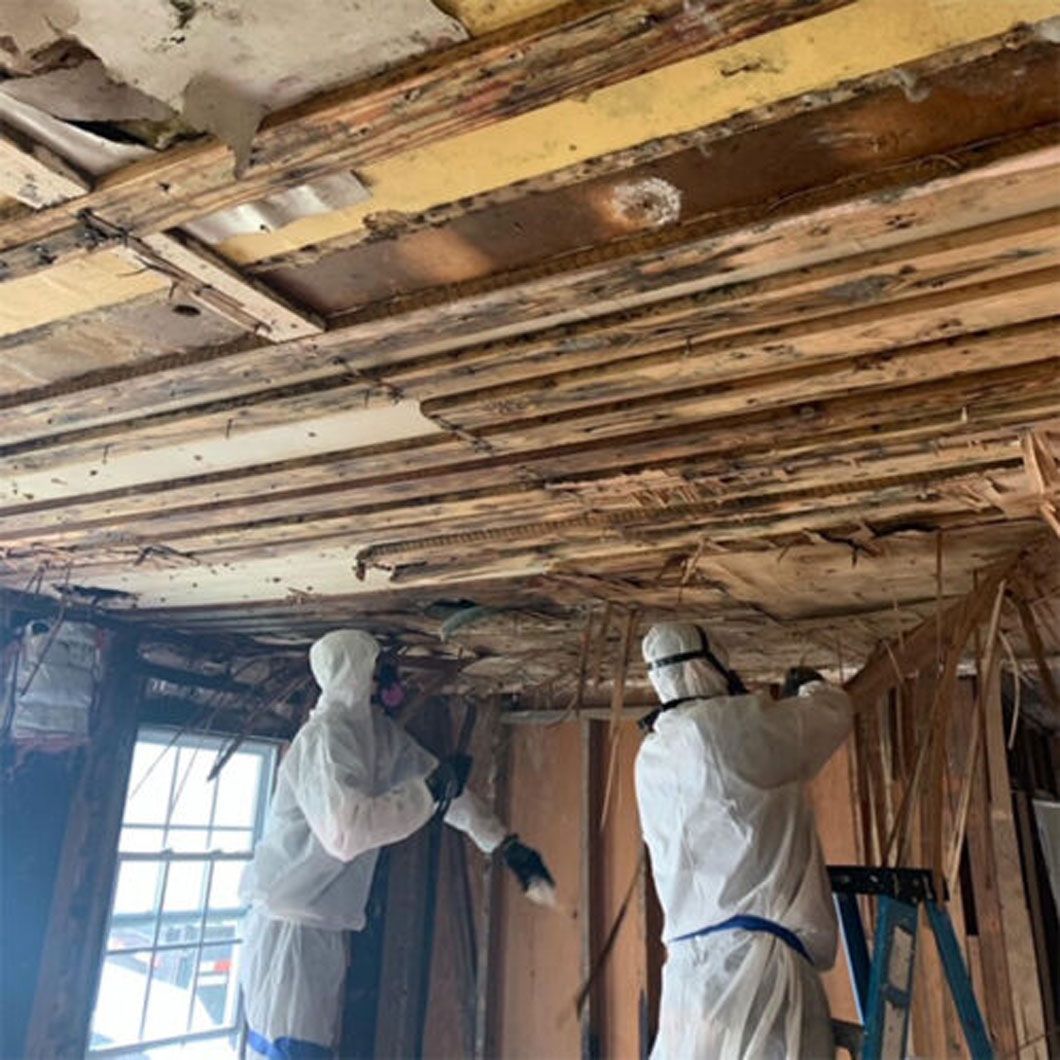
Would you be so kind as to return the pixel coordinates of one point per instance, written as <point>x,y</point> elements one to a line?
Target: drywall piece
<point>333,192</point>
<point>235,54</point>
<point>212,105</point>
<point>86,93</point>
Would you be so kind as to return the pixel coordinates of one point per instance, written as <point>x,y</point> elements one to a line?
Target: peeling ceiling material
<point>234,54</point>
<point>763,371</point>
<point>88,151</point>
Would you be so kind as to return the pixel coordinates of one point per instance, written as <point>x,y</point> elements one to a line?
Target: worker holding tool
<point>749,919</point>
<point>351,783</point>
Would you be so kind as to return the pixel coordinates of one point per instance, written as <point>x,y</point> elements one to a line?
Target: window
<point>170,980</point>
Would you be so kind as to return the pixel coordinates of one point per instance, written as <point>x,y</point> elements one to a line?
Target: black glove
<point>446,781</point>
<point>796,677</point>
<point>525,862</point>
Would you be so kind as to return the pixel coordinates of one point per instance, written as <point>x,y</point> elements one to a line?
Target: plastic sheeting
<point>1047,817</point>
<point>52,681</point>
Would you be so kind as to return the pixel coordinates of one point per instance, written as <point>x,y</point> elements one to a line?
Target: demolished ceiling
<point>698,308</point>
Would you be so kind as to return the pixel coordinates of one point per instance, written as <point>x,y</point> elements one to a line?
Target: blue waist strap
<point>287,1048</point>
<point>751,923</point>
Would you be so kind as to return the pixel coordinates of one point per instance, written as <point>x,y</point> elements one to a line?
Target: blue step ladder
<point>883,985</point>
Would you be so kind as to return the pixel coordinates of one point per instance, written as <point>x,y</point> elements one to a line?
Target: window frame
<point>173,741</point>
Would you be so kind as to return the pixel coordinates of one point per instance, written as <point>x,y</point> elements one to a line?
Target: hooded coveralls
<point>729,830</point>
<point>351,782</point>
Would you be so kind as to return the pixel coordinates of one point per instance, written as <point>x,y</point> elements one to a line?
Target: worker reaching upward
<point>749,919</point>
<point>351,783</point>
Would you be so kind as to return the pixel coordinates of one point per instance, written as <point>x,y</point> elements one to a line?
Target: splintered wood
<point>946,772</point>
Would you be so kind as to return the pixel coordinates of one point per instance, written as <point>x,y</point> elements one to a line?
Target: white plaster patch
<point>649,203</point>
<point>256,55</point>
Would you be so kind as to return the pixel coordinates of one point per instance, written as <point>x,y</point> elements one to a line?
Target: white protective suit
<point>729,830</point>
<point>351,782</point>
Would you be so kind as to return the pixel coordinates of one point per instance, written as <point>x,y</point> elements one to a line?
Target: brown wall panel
<point>539,950</point>
<point>622,994</point>
<point>831,795</point>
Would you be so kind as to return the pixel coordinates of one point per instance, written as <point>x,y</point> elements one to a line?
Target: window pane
<point>179,988</point>
<point>152,773</point>
<point>223,1047</point>
<point>222,927</point>
<point>137,840</point>
<point>193,795</point>
<point>169,996</point>
<point>184,891</point>
<point>237,796</point>
<point>120,1001</point>
<point>137,888</point>
<point>188,840</point>
<point>224,894</point>
<point>236,841</point>
<point>131,933</point>
<point>215,1000</point>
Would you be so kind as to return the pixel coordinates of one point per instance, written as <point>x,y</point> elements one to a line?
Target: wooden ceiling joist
<point>833,351</point>
<point>207,278</point>
<point>367,346</point>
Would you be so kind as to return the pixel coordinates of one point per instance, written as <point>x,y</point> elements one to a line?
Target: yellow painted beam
<point>73,287</point>
<point>482,16</point>
<point>815,55</point>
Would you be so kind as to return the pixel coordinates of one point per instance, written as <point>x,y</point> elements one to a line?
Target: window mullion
<point>169,797</point>
<point>202,939</point>
<point>213,812</point>
<point>154,945</point>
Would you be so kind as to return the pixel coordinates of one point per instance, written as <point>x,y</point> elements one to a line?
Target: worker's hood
<point>683,678</point>
<point>343,662</point>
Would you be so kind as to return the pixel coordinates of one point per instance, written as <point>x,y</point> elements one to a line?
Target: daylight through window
<point>170,968</point>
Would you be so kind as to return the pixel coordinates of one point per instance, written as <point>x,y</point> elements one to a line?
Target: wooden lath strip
<point>1034,639</point>
<point>392,333</point>
<point>207,278</point>
<point>1008,349</point>
<point>429,471</point>
<point>34,175</point>
<point>986,676</point>
<point>666,330</point>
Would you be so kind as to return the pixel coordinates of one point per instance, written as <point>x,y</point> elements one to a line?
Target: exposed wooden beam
<point>380,338</point>
<point>205,277</point>
<point>630,712</point>
<point>578,47</point>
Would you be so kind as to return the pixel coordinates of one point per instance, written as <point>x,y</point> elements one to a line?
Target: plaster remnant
<point>648,203</point>
<point>212,105</point>
<point>916,91</point>
<point>1048,30</point>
